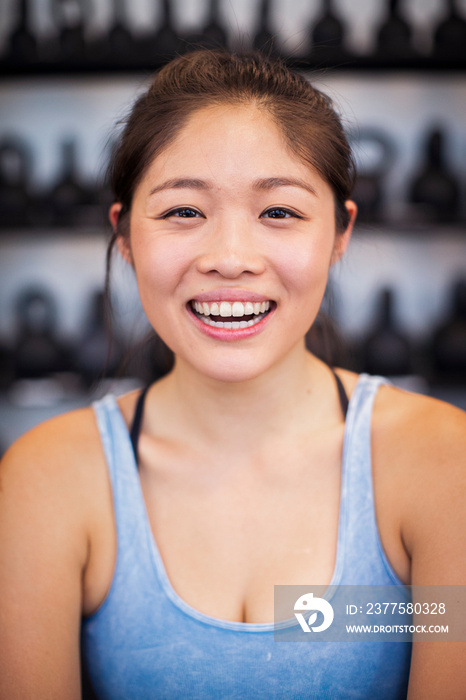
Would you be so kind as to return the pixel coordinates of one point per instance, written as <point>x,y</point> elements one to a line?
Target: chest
<point>228,533</point>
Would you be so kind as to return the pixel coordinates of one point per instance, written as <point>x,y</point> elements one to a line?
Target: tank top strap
<point>364,559</point>
<point>359,421</point>
<point>124,478</point>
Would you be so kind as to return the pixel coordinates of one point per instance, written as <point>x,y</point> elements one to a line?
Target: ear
<point>342,239</point>
<point>122,241</point>
<point>113,214</point>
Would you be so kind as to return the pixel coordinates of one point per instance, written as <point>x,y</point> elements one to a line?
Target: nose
<point>231,250</point>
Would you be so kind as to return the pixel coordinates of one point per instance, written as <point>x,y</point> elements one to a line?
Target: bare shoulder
<point>421,427</point>
<point>418,438</point>
<point>47,480</point>
<point>421,443</point>
<point>60,449</point>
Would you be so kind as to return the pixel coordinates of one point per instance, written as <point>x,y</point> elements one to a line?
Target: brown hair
<point>202,78</point>
<point>306,117</point>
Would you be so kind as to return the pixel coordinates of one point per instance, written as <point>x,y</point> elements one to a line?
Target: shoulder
<point>47,476</point>
<point>419,426</point>
<point>409,424</point>
<point>56,447</point>
<point>69,443</point>
<point>421,444</point>
<point>417,436</point>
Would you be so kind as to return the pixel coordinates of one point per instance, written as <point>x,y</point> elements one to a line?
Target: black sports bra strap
<point>137,422</point>
<point>344,401</point>
<point>139,412</point>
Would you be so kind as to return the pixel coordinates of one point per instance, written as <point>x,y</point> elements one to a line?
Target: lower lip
<point>230,333</point>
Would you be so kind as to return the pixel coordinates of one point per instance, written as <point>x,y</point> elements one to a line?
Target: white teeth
<point>231,324</point>
<point>237,309</point>
<point>227,309</point>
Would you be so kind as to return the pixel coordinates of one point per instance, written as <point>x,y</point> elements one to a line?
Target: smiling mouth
<point>233,315</point>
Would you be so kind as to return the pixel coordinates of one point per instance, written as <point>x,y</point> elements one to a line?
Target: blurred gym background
<point>396,305</point>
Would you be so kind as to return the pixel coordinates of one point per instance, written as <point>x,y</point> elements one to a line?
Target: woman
<point>232,187</point>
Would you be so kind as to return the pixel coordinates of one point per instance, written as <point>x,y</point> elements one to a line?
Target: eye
<point>279,213</point>
<point>183,213</point>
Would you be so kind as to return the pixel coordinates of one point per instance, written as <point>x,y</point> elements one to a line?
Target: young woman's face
<point>231,238</point>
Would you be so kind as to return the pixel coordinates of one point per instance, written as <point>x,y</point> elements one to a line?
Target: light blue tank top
<point>145,642</point>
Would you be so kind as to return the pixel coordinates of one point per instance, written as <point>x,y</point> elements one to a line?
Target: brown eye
<point>183,213</point>
<point>279,213</point>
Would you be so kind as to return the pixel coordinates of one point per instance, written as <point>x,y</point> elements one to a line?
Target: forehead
<point>231,118</point>
<point>228,143</point>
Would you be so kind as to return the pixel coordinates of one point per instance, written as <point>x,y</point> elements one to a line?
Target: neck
<point>244,416</point>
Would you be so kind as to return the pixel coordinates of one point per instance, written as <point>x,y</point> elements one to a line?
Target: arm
<point>43,552</point>
<point>434,534</point>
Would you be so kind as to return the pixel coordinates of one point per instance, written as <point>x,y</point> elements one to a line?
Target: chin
<point>235,367</point>
<point>224,369</point>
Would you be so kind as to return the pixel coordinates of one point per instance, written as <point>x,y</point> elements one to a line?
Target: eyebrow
<point>268,183</point>
<point>182,183</point>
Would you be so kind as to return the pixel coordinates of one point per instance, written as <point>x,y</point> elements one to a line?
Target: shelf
<point>53,233</point>
<point>348,63</point>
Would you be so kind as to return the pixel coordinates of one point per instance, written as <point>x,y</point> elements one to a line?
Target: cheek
<point>304,268</point>
<point>159,266</point>
<point>158,271</point>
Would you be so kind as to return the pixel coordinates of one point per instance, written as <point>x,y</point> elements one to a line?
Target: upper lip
<point>225,294</point>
